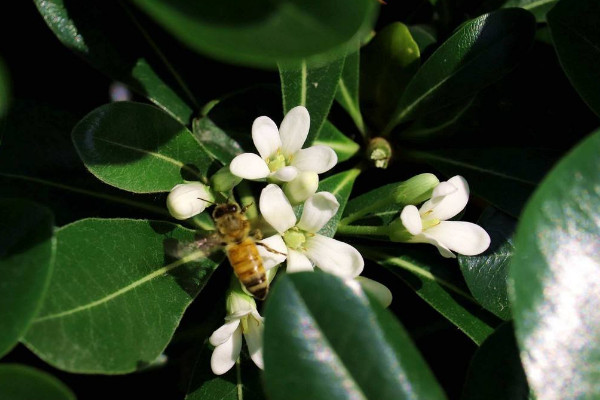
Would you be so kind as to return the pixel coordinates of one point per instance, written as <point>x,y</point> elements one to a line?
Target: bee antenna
<point>208,201</point>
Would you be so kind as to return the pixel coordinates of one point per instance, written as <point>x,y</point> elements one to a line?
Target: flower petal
<point>294,130</point>
<point>222,334</point>
<point>443,189</point>
<point>284,174</point>
<point>411,219</point>
<point>319,158</point>
<point>188,199</point>
<point>335,257</point>
<point>269,258</point>
<point>225,355</point>
<point>424,238</point>
<point>276,209</point>
<point>265,136</point>
<point>298,262</point>
<point>318,209</point>
<point>460,236</point>
<point>446,207</point>
<point>378,290</point>
<point>302,187</point>
<point>249,166</point>
<point>254,340</point>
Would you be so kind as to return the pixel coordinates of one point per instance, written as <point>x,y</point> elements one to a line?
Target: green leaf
<point>505,177</point>
<point>115,297</point>
<point>423,36</point>
<point>312,86</point>
<point>347,90</point>
<point>343,146</point>
<point>478,54</point>
<point>389,62</point>
<point>243,377</point>
<point>215,141</point>
<point>340,185</point>
<point>538,8</point>
<point>555,279</point>
<point>264,32</point>
<point>496,373</point>
<point>20,382</point>
<point>322,341</point>
<point>27,248</point>
<point>139,148</point>
<point>107,35</point>
<point>437,124</point>
<point>574,27</point>
<point>4,90</point>
<point>486,274</point>
<point>431,277</point>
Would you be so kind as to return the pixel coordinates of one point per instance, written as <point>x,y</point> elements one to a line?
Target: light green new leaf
<point>343,146</point>
<point>263,32</point>
<point>322,341</point>
<point>347,90</point>
<point>555,279</point>
<point>486,274</point>
<point>538,8</point>
<point>574,27</point>
<point>433,279</point>
<point>27,248</point>
<point>107,35</point>
<point>340,185</point>
<point>312,86</point>
<point>20,382</point>
<point>478,54</point>
<point>496,373</point>
<point>388,63</point>
<point>139,148</point>
<point>116,295</point>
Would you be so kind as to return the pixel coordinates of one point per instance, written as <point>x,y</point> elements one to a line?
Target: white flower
<point>378,290</point>
<point>188,199</point>
<point>429,223</point>
<point>242,318</point>
<point>281,155</point>
<point>305,246</point>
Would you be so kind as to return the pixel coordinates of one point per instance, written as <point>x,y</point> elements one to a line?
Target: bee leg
<point>246,207</point>
<point>257,234</point>
<point>272,250</point>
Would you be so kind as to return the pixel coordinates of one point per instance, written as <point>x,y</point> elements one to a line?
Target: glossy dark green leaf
<point>107,35</point>
<point>538,8</point>
<point>388,63</point>
<point>20,382</point>
<point>264,32</point>
<point>436,281</point>
<point>312,86</point>
<point>343,146</point>
<point>139,148</point>
<point>27,248</point>
<point>242,381</point>
<point>486,274</point>
<point>505,177</point>
<point>340,185</point>
<point>478,54</point>
<point>348,87</point>
<point>574,27</point>
<point>116,295</point>
<point>496,372</point>
<point>437,124</point>
<point>215,141</point>
<point>322,341</point>
<point>555,279</point>
<point>423,36</point>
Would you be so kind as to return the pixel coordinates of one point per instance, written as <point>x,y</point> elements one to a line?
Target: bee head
<point>224,209</point>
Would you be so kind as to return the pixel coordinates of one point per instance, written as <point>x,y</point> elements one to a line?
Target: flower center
<point>428,223</point>
<point>294,238</point>
<point>276,162</point>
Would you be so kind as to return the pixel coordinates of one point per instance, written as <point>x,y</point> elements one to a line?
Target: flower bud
<point>302,187</point>
<point>380,151</point>
<point>239,304</point>
<point>415,190</point>
<point>189,199</point>
<point>223,180</point>
<point>398,232</point>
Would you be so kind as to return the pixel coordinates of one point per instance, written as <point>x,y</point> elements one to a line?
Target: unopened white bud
<point>189,199</point>
<point>239,304</point>
<point>302,187</point>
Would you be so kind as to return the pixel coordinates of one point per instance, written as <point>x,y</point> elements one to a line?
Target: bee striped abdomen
<point>248,267</point>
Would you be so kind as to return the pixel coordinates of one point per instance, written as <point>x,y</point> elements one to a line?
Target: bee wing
<point>178,249</point>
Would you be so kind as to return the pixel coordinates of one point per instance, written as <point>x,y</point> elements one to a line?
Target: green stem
<point>238,373</point>
<point>363,230</point>
<point>116,199</point>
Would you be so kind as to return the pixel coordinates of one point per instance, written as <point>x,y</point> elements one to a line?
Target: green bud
<point>302,187</point>
<point>223,180</point>
<point>380,152</point>
<point>398,232</point>
<point>239,303</point>
<point>415,190</point>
